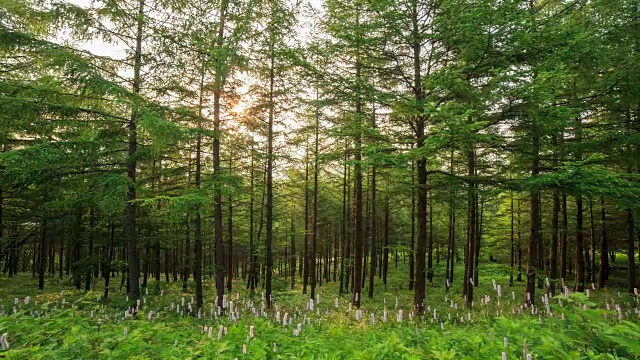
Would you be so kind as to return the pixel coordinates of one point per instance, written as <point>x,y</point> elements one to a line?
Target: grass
<point>62,323</point>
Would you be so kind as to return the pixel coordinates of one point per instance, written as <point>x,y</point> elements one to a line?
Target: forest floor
<point>63,323</point>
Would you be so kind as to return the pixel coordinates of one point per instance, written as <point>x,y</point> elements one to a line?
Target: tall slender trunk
<point>430,252</point>
<point>197,269</point>
<point>631,279</point>
<point>293,254</point>
<point>420,124</point>
<point>387,215</point>
<point>307,232</point>
<point>217,209</point>
<point>373,217</point>
<point>43,252</point>
<point>513,247</point>
<point>373,222</point>
<point>357,169</point>
<point>345,223</point>
<point>61,260</point>
<point>77,251</point>
<point>451,249</point>
<point>132,236</point>
<point>365,234</point>
<point>580,249</point>
<point>564,238</point>
<point>536,222</point>
<point>316,172</point>
<point>580,270</point>
<point>555,222</point>
<point>269,225</point>
<point>109,260</point>
<point>412,241</point>
<point>472,218</point>
<point>592,272</point>
<point>230,234</point>
<point>252,251</point>
<point>604,247</point>
<point>92,225</point>
<point>187,261</point>
<point>476,249</point>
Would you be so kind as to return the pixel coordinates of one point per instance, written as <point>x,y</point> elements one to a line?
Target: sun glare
<point>239,108</point>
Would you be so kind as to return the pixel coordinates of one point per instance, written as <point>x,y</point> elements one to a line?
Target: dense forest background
<point>289,144</point>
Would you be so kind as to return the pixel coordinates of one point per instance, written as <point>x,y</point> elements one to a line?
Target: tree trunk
<point>631,279</point>
<point>187,260</point>
<point>451,249</point>
<point>373,219</point>
<point>387,215</point>
<point>307,231</point>
<point>412,242</point>
<point>197,269</point>
<point>252,251</point>
<point>564,238</point>
<point>316,171</point>
<point>357,168</point>
<point>132,235</point>
<point>604,247</point>
<point>109,261</point>
<point>230,235</point>
<point>536,224</point>
<point>293,254</point>
<point>513,247</point>
<point>553,274</point>
<point>269,225</point>
<point>90,264</point>
<point>592,272</point>
<point>580,249</point>
<point>43,253</point>
<point>420,123</point>
<point>430,252</point>
<point>472,199</point>
<point>217,209</point>
<point>345,223</point>
<point>476,266</point>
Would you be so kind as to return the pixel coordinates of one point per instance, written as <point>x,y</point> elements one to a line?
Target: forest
<point>327,179</point>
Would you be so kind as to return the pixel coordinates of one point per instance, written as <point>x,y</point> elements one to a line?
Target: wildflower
<point>4,342</point>
<point>251,331</point>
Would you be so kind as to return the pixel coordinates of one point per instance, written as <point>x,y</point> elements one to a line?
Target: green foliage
<point>60,326</point>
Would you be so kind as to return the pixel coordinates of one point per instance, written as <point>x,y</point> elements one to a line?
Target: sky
<point>286,121</point>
